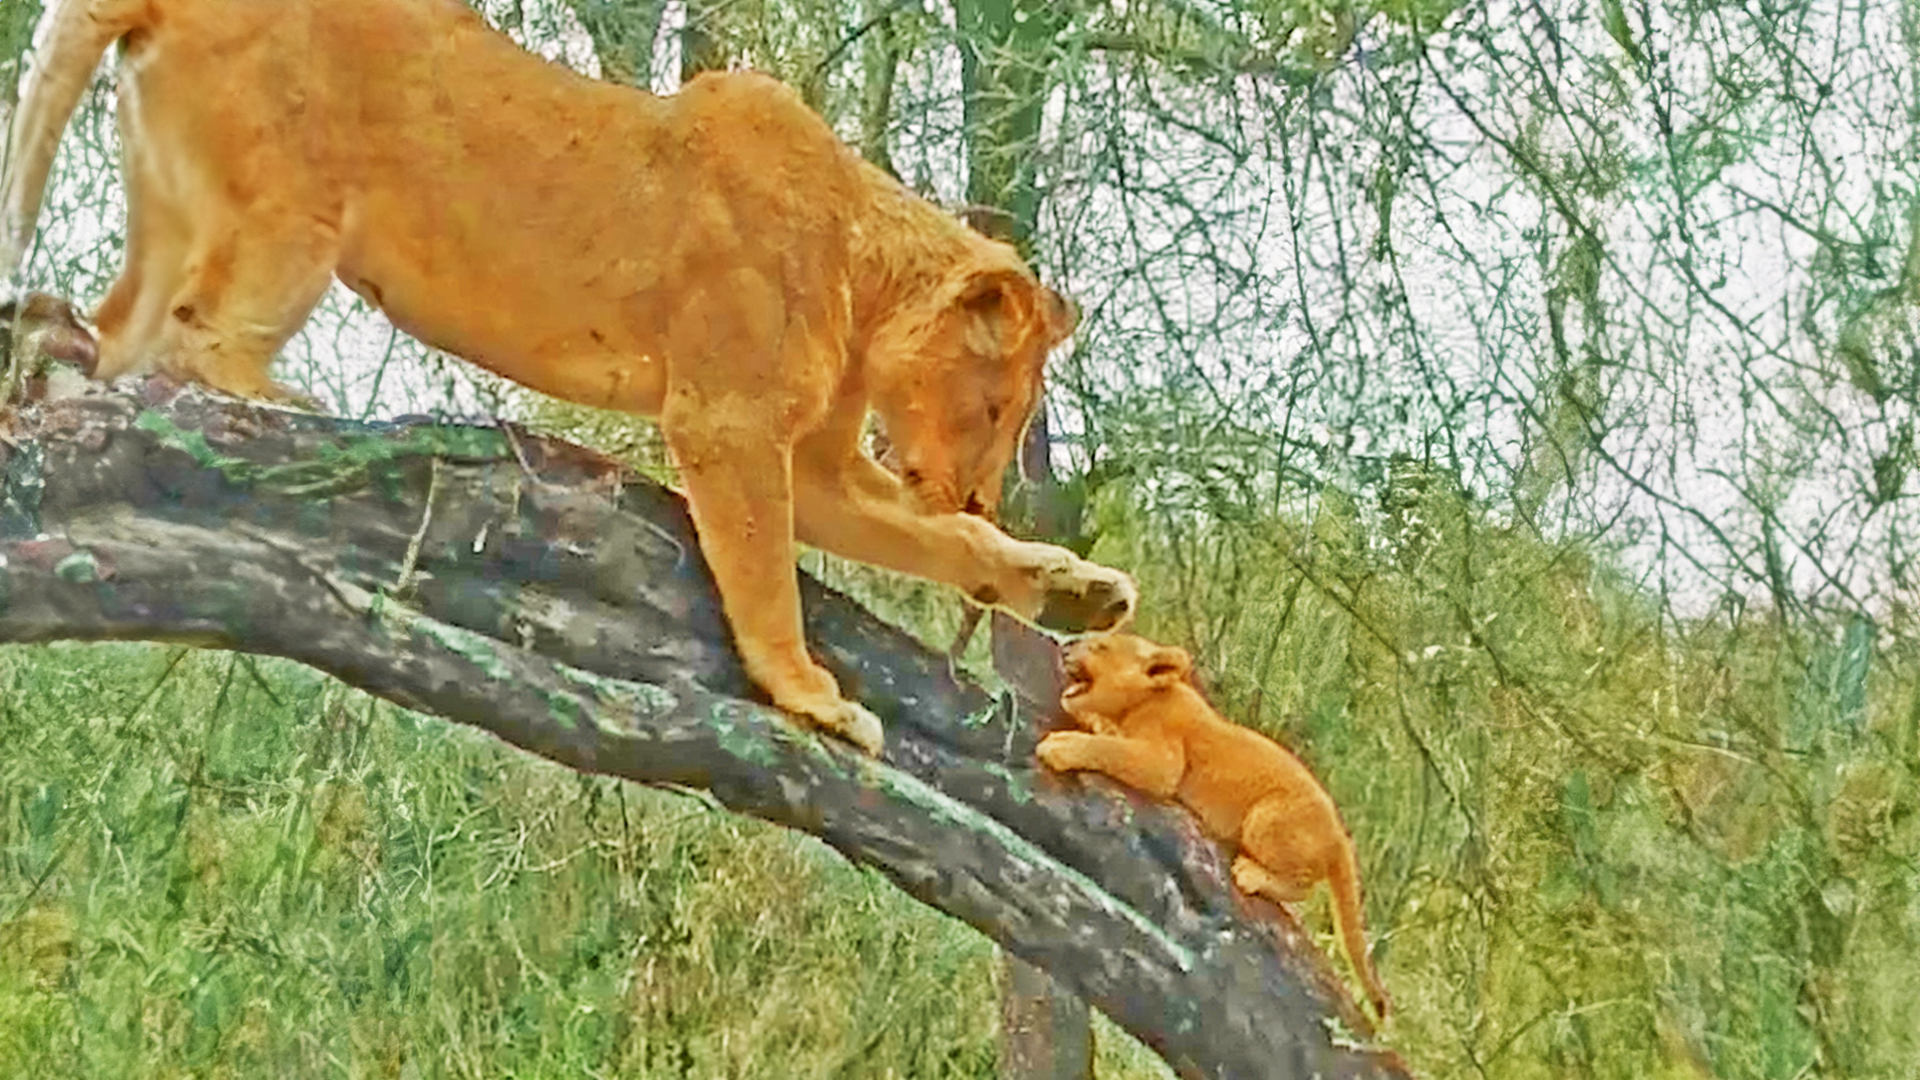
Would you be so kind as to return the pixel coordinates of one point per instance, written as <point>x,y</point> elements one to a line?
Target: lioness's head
<point>956,385</point>
<point>1109,676</point>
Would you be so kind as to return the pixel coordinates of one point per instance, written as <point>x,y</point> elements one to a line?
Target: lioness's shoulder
<point>750,96</point>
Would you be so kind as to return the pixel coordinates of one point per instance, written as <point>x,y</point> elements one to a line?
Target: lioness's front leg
<point>740,496</point>
<point>857,509</point>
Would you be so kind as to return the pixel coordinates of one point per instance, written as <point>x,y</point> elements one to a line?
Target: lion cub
<point>1148,728</point>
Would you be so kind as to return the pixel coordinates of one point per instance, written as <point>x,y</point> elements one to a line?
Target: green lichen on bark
<point>1019,787</point>
<point>353,462</point>
<point>476,649</point>
<point>79,568</point>
<point>738,739</point>
<point>632,696</point>
<point>21,486</point>
<point>946,808</point>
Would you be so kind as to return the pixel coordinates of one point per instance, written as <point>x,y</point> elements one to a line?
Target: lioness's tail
<point>1344,880</point>
<point>67,46</point>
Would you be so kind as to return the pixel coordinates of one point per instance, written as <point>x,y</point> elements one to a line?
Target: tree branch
<point>563,606</point>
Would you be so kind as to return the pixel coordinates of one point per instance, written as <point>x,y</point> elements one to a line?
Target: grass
<point>217,866</point>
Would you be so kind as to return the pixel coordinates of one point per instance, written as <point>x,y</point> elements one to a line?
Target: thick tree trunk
<point>700,45</point>
<point>532,589</point>
<point>623,33</point>
<point>1046,1032</point>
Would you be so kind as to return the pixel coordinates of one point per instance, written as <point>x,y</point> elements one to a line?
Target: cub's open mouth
<point>1078,681</point>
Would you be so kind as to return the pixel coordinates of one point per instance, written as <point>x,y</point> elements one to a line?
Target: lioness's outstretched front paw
<point>1081,596</point>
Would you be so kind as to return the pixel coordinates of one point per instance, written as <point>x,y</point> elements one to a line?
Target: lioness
<point>1150,729</point>
<point>716,258</point>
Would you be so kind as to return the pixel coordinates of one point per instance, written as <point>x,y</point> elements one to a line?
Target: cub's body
<point>1147,727</point>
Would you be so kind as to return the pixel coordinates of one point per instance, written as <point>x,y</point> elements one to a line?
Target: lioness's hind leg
<point>133,315</point>
<point>68,45</point>
<point>242,296</point>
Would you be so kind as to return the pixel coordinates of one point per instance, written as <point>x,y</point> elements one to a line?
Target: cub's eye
<point>993,413</point>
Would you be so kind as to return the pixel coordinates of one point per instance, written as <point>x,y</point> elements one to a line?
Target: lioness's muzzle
<point>1103,606</point>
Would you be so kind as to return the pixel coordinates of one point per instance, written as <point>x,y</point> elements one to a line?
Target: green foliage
<point>16,32</point>
<point>1596,842</point>
<point>215,866</point>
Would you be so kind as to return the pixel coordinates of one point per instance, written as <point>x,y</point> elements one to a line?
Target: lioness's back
<point>499,206</point>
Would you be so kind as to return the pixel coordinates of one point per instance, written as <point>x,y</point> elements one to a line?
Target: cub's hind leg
<point>1255,879</point>
<point>1289,842</point>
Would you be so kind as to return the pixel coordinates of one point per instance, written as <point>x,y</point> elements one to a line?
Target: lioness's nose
<point>1113,605</point>
<point>1099,605</point>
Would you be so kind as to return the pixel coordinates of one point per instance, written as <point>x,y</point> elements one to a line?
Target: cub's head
<point>956,383</point>
<point>1110,676</point>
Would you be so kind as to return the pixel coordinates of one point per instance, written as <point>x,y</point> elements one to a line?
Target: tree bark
<point>700,45</point>
<point>1045,1030</point>
<point>623,33</point>
<point>532,589</point>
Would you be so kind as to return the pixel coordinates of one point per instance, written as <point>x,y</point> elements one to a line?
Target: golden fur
<point>1148,728</point>
<point>715,258</point>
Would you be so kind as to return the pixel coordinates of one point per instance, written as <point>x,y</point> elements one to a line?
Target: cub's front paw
<point>1056,750</point>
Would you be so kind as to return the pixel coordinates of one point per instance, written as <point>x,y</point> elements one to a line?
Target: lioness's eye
<point>993,414</point>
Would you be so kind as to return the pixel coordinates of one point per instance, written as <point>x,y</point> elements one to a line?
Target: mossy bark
<point>532,589</point>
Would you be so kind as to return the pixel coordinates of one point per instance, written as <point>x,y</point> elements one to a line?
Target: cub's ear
<point>1168,665</point>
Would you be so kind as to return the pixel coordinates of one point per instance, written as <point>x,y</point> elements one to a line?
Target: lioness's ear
<point>1063,315</point>
<point>1168,665</point>
<point>983,303</point>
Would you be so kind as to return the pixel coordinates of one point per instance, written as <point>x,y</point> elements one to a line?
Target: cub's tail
<point>1344,881</point>
<point>67,46</point>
